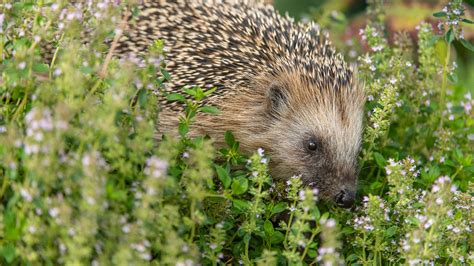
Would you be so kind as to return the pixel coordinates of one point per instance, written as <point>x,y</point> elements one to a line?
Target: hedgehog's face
<point>316,133</point>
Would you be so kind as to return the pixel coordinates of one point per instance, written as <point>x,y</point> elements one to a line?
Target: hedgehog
<point>280,86</point>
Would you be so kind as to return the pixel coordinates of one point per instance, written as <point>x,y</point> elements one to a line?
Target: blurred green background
<point>344,18</point>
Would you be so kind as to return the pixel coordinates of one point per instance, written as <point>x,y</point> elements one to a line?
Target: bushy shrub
<point>84,181</point>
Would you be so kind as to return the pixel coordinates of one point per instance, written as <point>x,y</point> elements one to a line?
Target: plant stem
<point>458,170</point>
<point>4,186</point>
<point>363,249</point>
<point>315,232</point>
<point>367,153</point>
<point>443,82</point>
<point>51,65</point>
<point>232,238</point>
<point>247,249</point>
<point>428,239</point>
<point>288,227</point>
<point>93,90</point>
<point>193,227</point>
<point>21,106</point>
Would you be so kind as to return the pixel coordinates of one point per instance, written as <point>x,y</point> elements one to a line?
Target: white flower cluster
<point>325,251</point>
<point>313,193</point>
<point>187,262</point>
<point>328,254</point>
<point>2,19</point>
<point>38,123</point>
<point>142,248</point>
<point>155,167</point>
<point>289,181</point>
<point>261,153</point>
<point>401,174</point>
<point>25,194</point>
<point>454,15</point>
<point>93,158</point>
<point>363,222</point>
<point>467,105</point>
<point>331,223</point>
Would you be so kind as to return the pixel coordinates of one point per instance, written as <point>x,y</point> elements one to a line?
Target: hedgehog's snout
<point>341,191</point>
<point>345,198</point>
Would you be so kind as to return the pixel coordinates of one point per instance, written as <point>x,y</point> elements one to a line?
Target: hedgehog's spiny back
<point>226,45</point>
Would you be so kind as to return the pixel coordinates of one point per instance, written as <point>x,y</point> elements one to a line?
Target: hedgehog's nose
<point>345,198</point>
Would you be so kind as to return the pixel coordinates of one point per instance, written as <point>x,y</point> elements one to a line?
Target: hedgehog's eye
<point>312,145</point>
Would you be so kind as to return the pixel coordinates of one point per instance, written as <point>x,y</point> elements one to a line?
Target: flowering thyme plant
<point>83,179</point>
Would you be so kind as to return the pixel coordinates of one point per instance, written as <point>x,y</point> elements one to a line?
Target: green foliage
<point>83,179</point>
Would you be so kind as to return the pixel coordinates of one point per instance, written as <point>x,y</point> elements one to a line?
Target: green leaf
<point>312,253</point>
<point>439,14</point>
<point>157,46</point>
<point>458,155</point>
<point>118,195</point>
<point>391,231</point>
<point>183,129</point>
<point>142,97</point>
<point>247,237</point>
<point>268,227</point>
<point>86,70</point>
<point>352,257</point>
<point>469,168</point>
<point>467,44</point>
<point>434,39</point>
<point>209,109</point>
<point>466,160</point>
<point>241,205</point>
<point>135,11</point>
<point>175,97</point>
<point>9,252</point>
<point>413,220</point>
<point>465,20</point>
<point>190,112</point>
<point>316,213</point>
<point>449,37</point>
<point>418,205</point>
<point>229,138</point>
<point>279,207</point>
<point>325,216</point>
<point>453,78</point>
<point>114,193</point>
<point>277,237</point>
<point>376,185</point>
<point>191,92</point>
<point>41,68</point>
<point>380,160</point>
<point>431,174</point>
<point>347,230</point>
<point>12,232</point>
<point>165,74</point>
<point>223,176</point>
<point>240,185</point>
<point>210,91</point>
<point>458,215</point>
<point>338,17</point>
<point>199,95</point>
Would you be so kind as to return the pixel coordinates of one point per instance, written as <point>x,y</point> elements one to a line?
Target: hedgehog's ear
<point>277,100</point>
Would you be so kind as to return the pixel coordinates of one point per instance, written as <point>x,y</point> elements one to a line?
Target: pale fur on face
<point>332,115</point>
